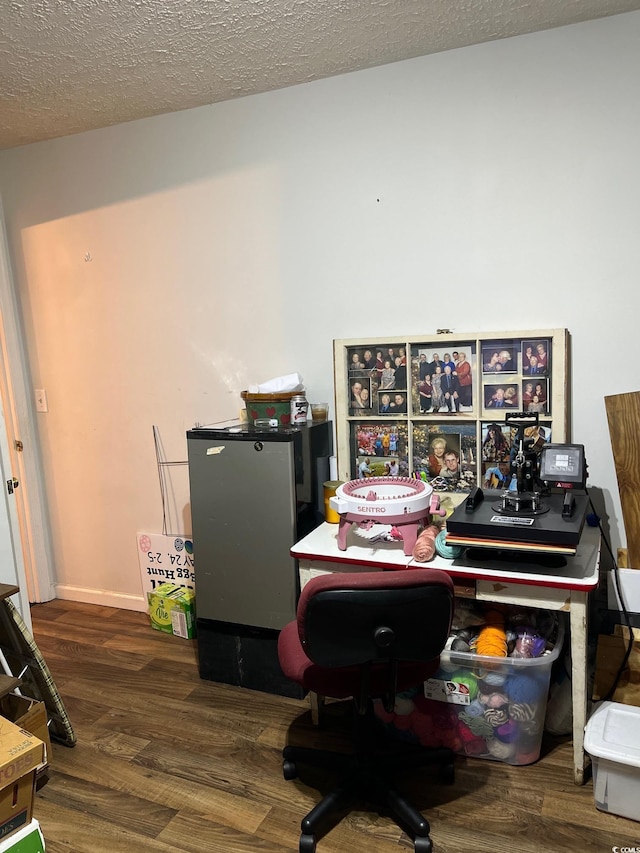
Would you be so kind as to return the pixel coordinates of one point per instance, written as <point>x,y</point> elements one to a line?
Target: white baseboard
<point>104,597</point>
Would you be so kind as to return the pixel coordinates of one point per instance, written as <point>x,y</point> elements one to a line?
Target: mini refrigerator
<point>254,493</point>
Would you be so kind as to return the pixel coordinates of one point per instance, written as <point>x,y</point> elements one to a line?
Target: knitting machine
<point>401,504</point>
<point>540,511</point>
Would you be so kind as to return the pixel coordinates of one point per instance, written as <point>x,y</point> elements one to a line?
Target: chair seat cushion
<point>342,682</point>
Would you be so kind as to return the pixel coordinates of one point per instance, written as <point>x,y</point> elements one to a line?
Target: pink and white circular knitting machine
<point>402,502</point>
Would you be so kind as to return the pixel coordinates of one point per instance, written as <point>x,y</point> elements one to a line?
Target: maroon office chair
<point>367,636</point>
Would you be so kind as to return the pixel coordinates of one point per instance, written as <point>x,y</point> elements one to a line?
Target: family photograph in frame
<point>373,371</point>
<point>380,449</point>
<point>392,402</point>
<point>499,357</point>
<point>535,395</point>
<point>536,358</point>
<point>360,394</point>
<point>496,442</point>
<point>503,396</point>
<point>442,381</point>
<point>444,456</point>
<point>498,449</point>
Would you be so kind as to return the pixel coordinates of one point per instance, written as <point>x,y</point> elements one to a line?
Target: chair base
<point>366,778</point>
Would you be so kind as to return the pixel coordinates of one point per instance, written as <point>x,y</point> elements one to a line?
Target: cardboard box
<point>20,755</point>
<point>27,840</point>
<point>31,715</point>
<point>172,610</point>
<point>165,559</point>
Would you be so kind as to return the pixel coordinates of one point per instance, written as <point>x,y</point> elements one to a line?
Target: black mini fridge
<point>254,493</point>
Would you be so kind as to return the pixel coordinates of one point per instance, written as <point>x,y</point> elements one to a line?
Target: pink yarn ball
<point>495,700</point>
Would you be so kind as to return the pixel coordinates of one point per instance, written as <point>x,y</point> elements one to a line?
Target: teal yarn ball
<point>449,552</point>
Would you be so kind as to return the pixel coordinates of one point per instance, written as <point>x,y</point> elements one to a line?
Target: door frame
<point>35,564</point>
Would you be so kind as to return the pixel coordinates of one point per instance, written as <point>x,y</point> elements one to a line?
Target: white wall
<point>486,188</point>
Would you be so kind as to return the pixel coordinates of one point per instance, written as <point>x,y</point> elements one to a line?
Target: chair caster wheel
<point>289,770</point>
<point>447,774</point>
<point>422,844</point>
<point>307,844</point>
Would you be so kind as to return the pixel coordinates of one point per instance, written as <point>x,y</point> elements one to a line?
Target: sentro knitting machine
<point>402,503</point>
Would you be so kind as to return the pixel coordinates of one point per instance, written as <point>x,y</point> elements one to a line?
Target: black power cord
<point>627,618</point>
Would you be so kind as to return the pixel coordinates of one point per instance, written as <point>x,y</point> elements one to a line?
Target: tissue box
<point>172,610</point>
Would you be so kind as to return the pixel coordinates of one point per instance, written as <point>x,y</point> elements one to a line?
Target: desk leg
<point>317,703</point>
<point>578,621</point>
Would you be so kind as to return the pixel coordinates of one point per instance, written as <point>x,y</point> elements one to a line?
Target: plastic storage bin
<point>612,739</point>
<point>480,706</point>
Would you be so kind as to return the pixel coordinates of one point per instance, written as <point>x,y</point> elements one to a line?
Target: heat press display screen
<point>563,463</point>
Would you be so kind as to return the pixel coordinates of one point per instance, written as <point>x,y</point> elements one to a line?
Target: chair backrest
<point>352,619</point>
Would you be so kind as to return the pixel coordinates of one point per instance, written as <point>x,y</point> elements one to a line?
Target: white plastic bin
<point>612,739</point>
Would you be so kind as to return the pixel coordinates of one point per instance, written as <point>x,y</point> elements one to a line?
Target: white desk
<point>509,583</point>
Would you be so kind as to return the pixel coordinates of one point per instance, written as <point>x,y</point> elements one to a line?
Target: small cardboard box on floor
<point>20,755</point>
<point>29,714</point>
<point>172,610</point>
<point>26,840</point>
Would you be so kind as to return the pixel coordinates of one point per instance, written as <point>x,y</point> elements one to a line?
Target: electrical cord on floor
<point>627,618</point>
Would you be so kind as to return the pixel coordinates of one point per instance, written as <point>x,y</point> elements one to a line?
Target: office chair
<point>367,636</point>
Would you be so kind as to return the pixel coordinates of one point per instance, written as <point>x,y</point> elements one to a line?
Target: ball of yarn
<point>466,680</point>
<point>529,643</point>
<point>460,645</point>
<point>496,717</point>
<point>507,732</point>
<point>492,641</point>
<point>465,634</point>
<point>495,700</point>
<point>524,689</point>
<point>522,711</point>
<point>478,725</point>
<point>425,546</point>
<point>402,722</point>
<point>494,679</point>
<point>528,757</point>
<point>475,708</point>
<point>410,692</point>
<point>473,744</point>
<point>404,705</point>
<point>500,749</point>
<point>449,552</point>
<point>532,727</point>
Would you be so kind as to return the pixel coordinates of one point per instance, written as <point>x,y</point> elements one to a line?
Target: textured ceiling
<point>72,65</point>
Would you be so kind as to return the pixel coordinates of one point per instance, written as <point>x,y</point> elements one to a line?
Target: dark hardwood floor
<point>166,762</point>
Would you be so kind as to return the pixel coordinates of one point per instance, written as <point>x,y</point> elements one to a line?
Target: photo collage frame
<point>435,408</point>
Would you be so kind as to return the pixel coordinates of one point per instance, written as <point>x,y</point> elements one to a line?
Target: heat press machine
<point>541,512</point>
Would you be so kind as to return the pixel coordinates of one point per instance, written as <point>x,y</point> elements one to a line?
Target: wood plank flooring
<point>168,763</point>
